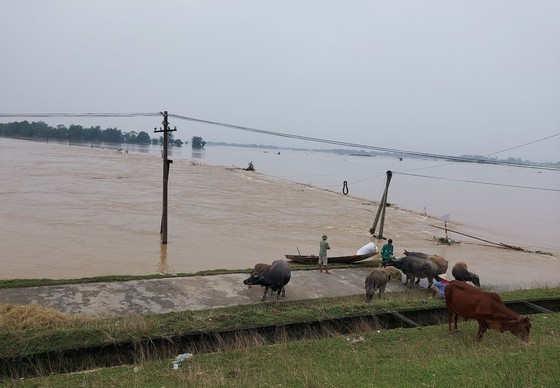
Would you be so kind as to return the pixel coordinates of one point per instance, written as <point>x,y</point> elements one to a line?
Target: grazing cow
<point>461,272</point>
<point>258,271</point>
<point>413,266</point>
<point>275,278</point>
<point>438,260</point>
<point>395,275</point>
<point>376,280</point>
<point>486,307</point>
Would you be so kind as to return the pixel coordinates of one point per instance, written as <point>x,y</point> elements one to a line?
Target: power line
<point>456,159</point>
<point>305,138</point>
<point>370,147</point>
<point>39,115</point>
<point>523,145</point>
<point>478,182</point>
<point>493,153</point>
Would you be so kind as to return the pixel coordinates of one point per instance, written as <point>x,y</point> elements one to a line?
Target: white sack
<point>368,249</point>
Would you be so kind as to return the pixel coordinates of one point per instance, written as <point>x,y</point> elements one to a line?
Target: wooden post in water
<point>446,218</point>
<point>166,163</point>
<point>381,208</point>
<point>372,230</point>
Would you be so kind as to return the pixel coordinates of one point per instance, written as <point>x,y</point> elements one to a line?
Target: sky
<point>443,77</point>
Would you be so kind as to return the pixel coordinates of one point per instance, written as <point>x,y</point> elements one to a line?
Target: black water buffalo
<point>461,272</point>
<point>417,254</point>
<point>275,278</point>
<point>438,260</point>
<point>258,270</point>
<point>413,266</point>
<point>376,279</point>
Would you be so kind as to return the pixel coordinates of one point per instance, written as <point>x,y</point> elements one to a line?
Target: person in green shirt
<point>323,261</point>
<point>386,252</point>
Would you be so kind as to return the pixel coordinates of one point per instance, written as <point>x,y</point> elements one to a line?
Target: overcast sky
<point>445,77</point>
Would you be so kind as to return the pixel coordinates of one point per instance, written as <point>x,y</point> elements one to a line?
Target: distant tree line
<point>77,133</point>
<point>40,129</point>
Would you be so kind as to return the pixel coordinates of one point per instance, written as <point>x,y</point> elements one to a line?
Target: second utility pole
<point>381,208</point>
<point>166,163</point>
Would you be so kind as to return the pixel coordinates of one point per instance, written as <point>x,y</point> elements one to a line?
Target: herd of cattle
<point>462,299</point>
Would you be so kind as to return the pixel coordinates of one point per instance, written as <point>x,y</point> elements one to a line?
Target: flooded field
<point>80,212</point>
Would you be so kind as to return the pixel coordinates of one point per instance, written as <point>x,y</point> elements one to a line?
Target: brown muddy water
<point>72,212</point>
<point>77,212</point>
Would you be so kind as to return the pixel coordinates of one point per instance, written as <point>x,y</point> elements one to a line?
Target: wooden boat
<point>313,259</point>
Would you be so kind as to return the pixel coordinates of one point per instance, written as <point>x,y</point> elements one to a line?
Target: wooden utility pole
<point>166,163</point>
<point>381,208</point>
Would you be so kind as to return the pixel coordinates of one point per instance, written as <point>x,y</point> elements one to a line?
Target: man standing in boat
<point>323,260</point>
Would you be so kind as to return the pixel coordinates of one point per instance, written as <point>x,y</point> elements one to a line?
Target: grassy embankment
<point>394,358</point>
<point>391,357</point>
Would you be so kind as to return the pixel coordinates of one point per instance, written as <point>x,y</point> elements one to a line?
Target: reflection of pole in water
<point>163,268</point>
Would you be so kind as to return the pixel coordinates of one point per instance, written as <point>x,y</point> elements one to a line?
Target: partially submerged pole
<point>382,223</point>
<point>445,218</point>
<point>383,200</point>
<point>381,208</point>
<point>166,163</point>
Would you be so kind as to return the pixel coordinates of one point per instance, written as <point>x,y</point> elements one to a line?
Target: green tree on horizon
<point>40,129</point>
<point>197,142</point>
<point>143,138</point>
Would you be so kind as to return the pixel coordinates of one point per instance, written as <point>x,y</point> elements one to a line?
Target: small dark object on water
<point>250,167</point>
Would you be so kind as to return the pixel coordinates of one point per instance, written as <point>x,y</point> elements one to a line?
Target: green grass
<point>21,283</point>
<point>390,358</point>
<point>78,333</point>
<point>394,358</point>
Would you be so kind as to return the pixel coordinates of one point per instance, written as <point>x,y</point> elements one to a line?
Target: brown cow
<point>486,307</point>
<point>395,275</point>
<point>461,272</point>
<point>440,262</point>
<point>376,279</point>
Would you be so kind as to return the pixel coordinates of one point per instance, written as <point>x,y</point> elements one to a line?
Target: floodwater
<point>70,211</point>
<point>517,206</point>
